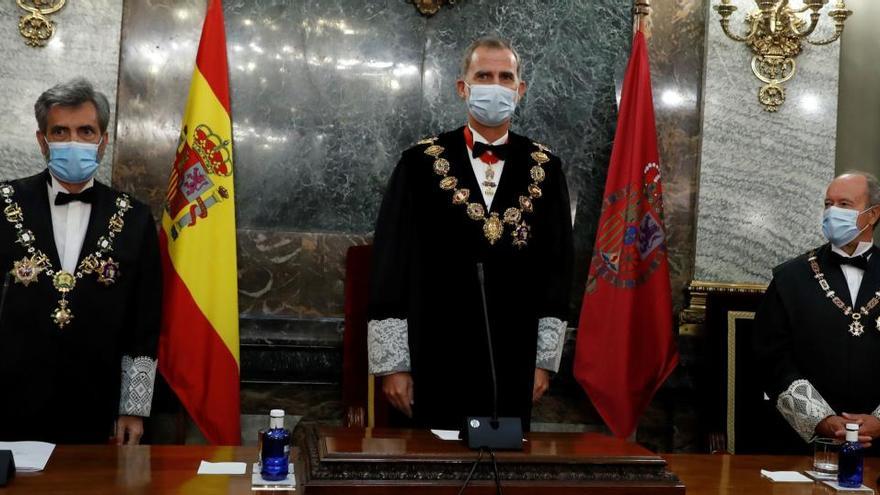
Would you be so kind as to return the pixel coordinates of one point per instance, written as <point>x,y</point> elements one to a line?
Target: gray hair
<point>873,186</point>
<point>72,93</point>
<point>493,42</point>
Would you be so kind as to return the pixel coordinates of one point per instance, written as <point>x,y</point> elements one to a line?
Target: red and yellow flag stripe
<point>199,347</point>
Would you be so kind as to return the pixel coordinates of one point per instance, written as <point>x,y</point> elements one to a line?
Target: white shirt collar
<point>478,138</point>
<point>861,249</point>
<point>55,187</point>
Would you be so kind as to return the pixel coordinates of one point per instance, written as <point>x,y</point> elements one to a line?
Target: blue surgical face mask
<point>840,225</point>
<point>72,161</point>
<point>491,104</point>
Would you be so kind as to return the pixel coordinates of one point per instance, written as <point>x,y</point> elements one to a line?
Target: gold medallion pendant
<point>856,328</point>
<point>64,282</point>
<point>62,316</point>
<point>493,228</point>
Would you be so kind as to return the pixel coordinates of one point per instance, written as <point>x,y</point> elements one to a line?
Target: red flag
<point>625,345</point>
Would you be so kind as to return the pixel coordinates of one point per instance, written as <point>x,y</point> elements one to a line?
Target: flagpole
<point>641,10</point>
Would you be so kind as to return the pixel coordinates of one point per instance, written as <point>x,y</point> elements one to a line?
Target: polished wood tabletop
<point>167,469</point>
<point>741,474</point>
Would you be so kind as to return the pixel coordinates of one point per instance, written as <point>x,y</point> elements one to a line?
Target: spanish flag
<point>198,346</point>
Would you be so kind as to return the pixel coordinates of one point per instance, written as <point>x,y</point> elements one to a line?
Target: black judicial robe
<point>424,271</point>
<point>801,334</point>
<point>63,385</point>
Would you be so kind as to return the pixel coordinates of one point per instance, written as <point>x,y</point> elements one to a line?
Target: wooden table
<point>741,474</point>
<point>107,470</point>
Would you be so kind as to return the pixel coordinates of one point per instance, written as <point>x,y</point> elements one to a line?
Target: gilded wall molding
<point>35,27</point>
<point>430,7</point>
<point>693,317</point>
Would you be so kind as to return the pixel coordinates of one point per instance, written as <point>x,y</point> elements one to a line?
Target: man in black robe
<point>818,327</point>
<point>81,297</point>
<point>477,194</point>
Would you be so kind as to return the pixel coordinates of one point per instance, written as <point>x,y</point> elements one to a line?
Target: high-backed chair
<point>363,403</point>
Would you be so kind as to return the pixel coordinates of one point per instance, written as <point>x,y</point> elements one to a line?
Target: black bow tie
<point>860,261</point>
<point>499,150</point>
<point>87,196</point>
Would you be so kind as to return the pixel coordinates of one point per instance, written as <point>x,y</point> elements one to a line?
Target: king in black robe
<point>69,384</point>
<point>425,309</point>
<point>814,367</point>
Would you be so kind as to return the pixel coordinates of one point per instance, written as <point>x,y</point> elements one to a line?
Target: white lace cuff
<point>387,346</point>
<point>136,393</point>
<point>803,407</point>
<point>551,339</point>
<point>876,412</point>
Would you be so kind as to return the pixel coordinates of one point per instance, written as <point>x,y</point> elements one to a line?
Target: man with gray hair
<point>81,295</point>
<point>818,328</point>
<point>480,194</point>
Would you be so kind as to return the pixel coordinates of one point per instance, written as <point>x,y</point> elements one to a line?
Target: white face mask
<point>491,104</point>
<point>840,225</point>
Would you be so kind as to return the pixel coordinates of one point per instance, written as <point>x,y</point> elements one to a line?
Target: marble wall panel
<point>325,95</point>
<point>676,41</point>
<point>763,175</point>
<point>86,43</point>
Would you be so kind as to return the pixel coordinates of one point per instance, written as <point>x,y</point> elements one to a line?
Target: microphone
<point>492,432</point>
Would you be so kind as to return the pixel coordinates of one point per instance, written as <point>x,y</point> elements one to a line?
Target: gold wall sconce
<point>430,7</point>
<point>35,27</point>
<point>775,35</point>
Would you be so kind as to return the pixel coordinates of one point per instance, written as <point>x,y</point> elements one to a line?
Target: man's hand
<point>835,427</point>
<point>870,425</point>
<point>398,387</point>
<point>542,383</point>
<point>129,430</point>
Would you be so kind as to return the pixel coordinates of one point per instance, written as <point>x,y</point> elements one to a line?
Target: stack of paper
<point>29,456</point>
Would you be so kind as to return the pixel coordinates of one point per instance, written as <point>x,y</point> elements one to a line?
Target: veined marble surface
<point>325,96</point>
<point>86,43</point>
<point>762,175</point>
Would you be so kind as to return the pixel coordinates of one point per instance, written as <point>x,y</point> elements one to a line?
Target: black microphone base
<point>482,432</point>
<point>7,467</point>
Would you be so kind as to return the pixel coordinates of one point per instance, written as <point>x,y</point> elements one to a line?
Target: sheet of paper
<point>222,467</point>
<point>29,456</point>
<point>446,434</point>
<point>785,476</point>
<point>861,489</point>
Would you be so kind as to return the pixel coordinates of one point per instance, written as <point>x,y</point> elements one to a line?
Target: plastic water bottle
<point>851,461</point>
<point>275,453</point>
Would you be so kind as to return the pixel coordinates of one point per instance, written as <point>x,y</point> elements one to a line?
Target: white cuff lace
<point>551,339</point>
<point>876,412</point>
<point>388,346</point>
<point>803,407</point>
<point>136,392</point>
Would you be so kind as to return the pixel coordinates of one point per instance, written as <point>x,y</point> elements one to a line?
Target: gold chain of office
<point>28,269</point>
<point>493,224</point>
<point>855,328</point>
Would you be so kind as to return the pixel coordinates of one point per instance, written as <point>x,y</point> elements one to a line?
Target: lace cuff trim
<point>388,346</point>
<point>876,412</point>
<point>803,407</point>
<point>551,339</point>
<point>136,393</point>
